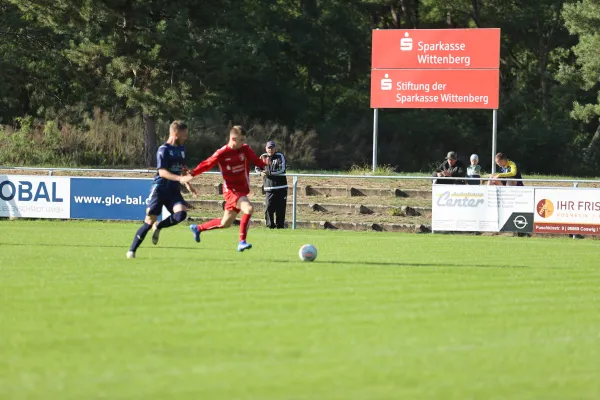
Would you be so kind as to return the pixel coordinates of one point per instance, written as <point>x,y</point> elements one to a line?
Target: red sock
<point>244,223</point>
<point>212,224</point>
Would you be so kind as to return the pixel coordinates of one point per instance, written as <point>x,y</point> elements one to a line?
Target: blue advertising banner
<point>109,198</point>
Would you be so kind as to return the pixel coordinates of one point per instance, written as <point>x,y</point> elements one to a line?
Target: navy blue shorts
<point>162,197</point>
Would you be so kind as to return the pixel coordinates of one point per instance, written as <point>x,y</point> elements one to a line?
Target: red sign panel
<point>567,229</point>
<point>428,88</point>
<point>436,48</point>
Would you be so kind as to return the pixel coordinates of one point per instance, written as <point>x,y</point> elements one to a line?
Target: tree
<point>582,18</point>
<point>137,50</point>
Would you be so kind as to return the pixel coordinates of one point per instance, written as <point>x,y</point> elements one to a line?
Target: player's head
<point>501,159</point>
<point>270,148</point>
<point>474,159</point>
<point>178,132</point>
<point>237,137</point>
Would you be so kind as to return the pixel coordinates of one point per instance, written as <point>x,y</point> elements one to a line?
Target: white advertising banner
<point>567,210</point>
<point>35,196</point>
<point>482,208</point>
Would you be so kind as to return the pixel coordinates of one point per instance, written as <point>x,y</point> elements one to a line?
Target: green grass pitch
<point>377,316</point>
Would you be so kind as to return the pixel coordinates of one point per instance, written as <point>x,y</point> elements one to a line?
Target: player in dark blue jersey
<point>166,190</point>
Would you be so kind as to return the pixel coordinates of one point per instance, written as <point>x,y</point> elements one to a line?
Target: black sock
<point>173,219</point>
<point>139,236</point>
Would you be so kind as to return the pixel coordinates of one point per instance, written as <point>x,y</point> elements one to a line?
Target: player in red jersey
<point>234,161</point>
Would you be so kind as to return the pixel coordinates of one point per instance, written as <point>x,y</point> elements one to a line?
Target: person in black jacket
<point>275,186</point>
<point>450,168</point>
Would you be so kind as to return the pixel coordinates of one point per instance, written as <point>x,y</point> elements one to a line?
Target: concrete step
<point>340,225</point>
<point>329,191</point>
<point>406,211</point>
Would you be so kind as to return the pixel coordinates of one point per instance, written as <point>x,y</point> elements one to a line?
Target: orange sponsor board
<point>567,210</point>
<point>436,48</point>
<point>428,88</point>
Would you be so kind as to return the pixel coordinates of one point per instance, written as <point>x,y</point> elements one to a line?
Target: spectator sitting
<point>450,168</point>
<point>474,170</point>
<point>508,169</point>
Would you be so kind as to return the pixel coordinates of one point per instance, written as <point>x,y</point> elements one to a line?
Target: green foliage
<point>295,70</point>
<point>365,169</point>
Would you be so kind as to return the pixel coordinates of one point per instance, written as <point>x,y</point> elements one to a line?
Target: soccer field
<point>377,316</point>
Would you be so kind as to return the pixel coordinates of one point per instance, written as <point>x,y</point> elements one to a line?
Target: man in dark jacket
<point>450,168</point>
<point>275,185</point>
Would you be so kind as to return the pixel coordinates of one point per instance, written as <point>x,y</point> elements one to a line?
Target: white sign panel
<point>567,210</point>
<point>482,208</point>
<point>34,196</point>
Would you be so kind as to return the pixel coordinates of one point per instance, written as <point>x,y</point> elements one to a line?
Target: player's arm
<point>207,164</point>
<point>512,171</point>
<point>254,159</point>
<point>263,156</point>
<point>188,186</point>
<point>165,174</point>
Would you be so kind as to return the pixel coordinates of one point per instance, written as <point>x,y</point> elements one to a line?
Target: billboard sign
<point>109,198</point>
<point>435,68</point>
<point>74,198</point>
<point>34,196</point>
<point>426,88</point>
<point>567,211</point>
<point>436,48</point>
<point>473,208</point>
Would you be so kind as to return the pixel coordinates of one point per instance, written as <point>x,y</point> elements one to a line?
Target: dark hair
<point>501,156</point>
<point>177,126</point>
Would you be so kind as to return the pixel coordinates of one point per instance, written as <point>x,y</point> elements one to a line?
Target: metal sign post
<point>494,138</point>
<point>375,132</point>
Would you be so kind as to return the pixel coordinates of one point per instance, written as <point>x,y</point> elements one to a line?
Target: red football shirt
<point>234,166</point>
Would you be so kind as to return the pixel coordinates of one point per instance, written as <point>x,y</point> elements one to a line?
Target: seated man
<point>508,169</point>
<point>450,168</point>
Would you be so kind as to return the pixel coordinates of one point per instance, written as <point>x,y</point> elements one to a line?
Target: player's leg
<point>141,233</point>
<point>178,213</point>
<point>247,208</point>
<point>155,204</point>
<point>281,207</point>
<point>270,209</point>
<point>218,223</point>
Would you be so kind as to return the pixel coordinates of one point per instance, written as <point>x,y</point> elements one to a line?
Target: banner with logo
<point>34,196</point>
<point>567,210</point>
<point>471,208</point>
<point>109,198</point>
<point>78,198</point>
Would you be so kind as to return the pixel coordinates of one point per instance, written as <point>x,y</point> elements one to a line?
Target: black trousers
<point>275,202</point>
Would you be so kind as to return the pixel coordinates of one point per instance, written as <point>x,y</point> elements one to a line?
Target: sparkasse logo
<point>406,43</point>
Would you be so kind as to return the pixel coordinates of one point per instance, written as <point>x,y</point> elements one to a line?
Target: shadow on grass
<point>94,246</point>
<point>406,264</point>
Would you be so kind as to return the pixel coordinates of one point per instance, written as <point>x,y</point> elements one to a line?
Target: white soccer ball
<point>308,252</point>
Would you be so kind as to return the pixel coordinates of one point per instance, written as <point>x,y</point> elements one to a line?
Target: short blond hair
<point>238,129</point>
<point>177,126</point>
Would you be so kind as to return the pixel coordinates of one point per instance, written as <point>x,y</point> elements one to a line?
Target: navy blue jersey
<point>171,158</point>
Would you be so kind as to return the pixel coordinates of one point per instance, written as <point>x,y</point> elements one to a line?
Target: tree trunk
<point>150,138</point>
<point>595,141</point>
<point>543,70</point>
<point>475,5</point>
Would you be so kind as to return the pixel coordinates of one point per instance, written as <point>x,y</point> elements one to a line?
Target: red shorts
<point>231,200</point>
